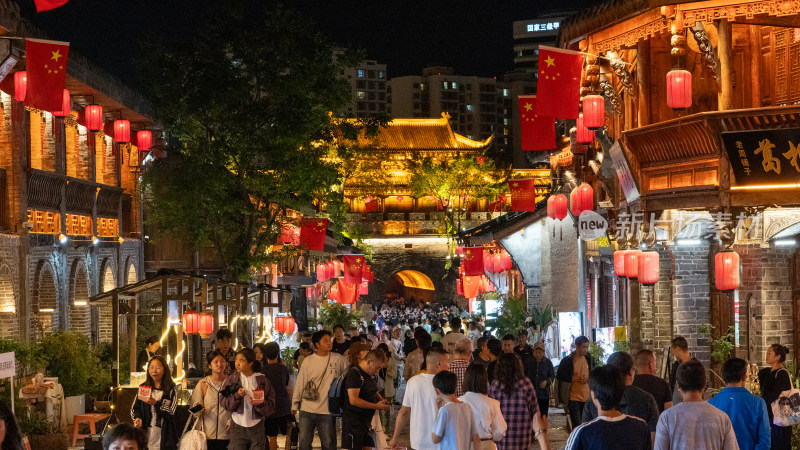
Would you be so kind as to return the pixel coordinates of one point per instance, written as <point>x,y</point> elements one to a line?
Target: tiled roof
<point>422,134</point>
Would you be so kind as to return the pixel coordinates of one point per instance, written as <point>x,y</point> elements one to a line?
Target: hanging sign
<point>8,365</point>
<point>764,156</point>
<point>591,226</point>
<point>624,175</point>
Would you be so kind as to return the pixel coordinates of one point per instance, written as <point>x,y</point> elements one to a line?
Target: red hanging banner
<point>46,69</point>
<point>558,82</point>
<point>538,132</point>
<point>523,195</point>
<point>472,262</point>
<point>312,233</point>
<point>353,268</point>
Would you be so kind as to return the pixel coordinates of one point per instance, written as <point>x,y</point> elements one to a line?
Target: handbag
<point>786,409</point>
<point>311,390</point>
<point>194,439</point>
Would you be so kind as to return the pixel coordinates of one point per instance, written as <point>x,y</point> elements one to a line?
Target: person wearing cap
<point>541,373</point>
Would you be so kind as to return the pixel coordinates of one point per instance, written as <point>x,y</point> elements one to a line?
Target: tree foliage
<point>249,100</point>
<point>450,183</point>
<point>511,317</point>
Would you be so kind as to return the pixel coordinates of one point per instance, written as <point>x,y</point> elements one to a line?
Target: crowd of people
<point>462,391</point>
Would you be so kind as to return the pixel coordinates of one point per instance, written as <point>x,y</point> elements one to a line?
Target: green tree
<point>451,182</point>
<point>248,100</point>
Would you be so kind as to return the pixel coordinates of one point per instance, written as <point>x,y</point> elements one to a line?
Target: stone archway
<point>410,284</point>
<point>45,301</point>
<point>131,276</point>
<point>101,314</point>
<point>9,323</point>
<point>79,312</point>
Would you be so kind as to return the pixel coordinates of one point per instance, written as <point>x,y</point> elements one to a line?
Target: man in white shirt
<point>419,403</point>
<point>316,374</point>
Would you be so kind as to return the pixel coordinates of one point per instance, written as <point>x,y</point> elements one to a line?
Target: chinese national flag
<point>46,67</point>
<point>367,274</point>
<point>538,131</point>
<point>353,268</point>
<point>312,232</point>
<point>471,285</point>
<point>523,195</point>
<point>363,288</point>
<point>47,5</point>
<point>559,83</point>
<point>472,262</point>
<point>348,292</point>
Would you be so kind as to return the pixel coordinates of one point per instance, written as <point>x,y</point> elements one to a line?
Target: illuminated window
<point>381,74</point>
<point>422,86</point>
<point>360,73</point>
<point>505,92</point>
<point>444,84</point>
<point>505,120</point>
<point>469,107</point>
<point>454,85</point>
<point>361,95</point>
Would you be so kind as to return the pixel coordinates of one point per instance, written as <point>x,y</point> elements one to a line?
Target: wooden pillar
<point>725,51</point>
<point>21,135</point>
<point>643,80</point>
<point>91,163</point>
<point>754,33</point>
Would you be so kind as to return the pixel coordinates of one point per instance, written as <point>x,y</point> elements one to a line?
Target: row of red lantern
<point>645,267</point>
<point>496,262</point>
<point>91,116</point>
<point>284,324</point>
<point>198,323</point>
<point>580,199</point>
<point>335,268</point>
<point>679,96</point>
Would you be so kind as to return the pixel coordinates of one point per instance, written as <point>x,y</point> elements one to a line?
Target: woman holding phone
<point>207,403</point>
<point>156,413</point>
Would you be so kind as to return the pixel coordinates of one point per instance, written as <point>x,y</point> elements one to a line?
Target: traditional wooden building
<point>720,174</point>
<point>70,216</point>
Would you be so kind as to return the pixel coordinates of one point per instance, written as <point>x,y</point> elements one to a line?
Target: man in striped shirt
<point>611,428</point>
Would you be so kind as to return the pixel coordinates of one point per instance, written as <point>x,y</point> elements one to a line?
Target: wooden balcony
<point>682,163</point>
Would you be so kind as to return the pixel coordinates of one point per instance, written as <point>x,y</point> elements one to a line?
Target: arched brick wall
<point>79,315</point>
<point>45,301</point>
<point>9,325</point>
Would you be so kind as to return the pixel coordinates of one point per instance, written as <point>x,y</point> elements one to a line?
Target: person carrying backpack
<point>363,400</point>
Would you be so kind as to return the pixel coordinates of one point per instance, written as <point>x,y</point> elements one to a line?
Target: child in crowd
<point>454,428</point>
<point>125,437</point>
<point>250,398</point>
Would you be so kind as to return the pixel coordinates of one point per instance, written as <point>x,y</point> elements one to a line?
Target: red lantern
<point>488,261</point>
<point>333,293</point>
<point>65,105</point>
<point>648,268</point>
<point>584,135</point>
<point>206,326</point>
<point>632,263</point>
<point>480,160</point>
<point>338,268</point>
<point>191,322</point>
<point>619,262</point>
<point>144,140</point>
<point>330,270</point>
<point>679,89</point>
<point>20,85</point>
<point>581,199</point>
<point>507,263</point>
<point>94,117</point>
<point>368,198</point>
<point>122,131</point>
<point>594,111</point>
<point>550,208</point>
<point>289,325</point>
<point>280,324</point>
<point>726,271</point>
<point>321,273</point>
<point>560,207</point>
<point>400,198</point>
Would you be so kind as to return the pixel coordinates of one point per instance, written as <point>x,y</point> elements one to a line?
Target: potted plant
<point>41,433</point>
<point>69,357</point>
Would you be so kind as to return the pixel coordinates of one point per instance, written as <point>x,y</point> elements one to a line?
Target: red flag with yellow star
<point>471,286</point>
<point>558,86</point>
<point>538,131</point>
<point>523,195</point>
<point>473,261</point>
<point>312,233</point>
<point>46,67</point>
<point>353,268</point>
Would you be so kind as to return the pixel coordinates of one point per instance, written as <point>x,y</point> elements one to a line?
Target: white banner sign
<point>8,366</point>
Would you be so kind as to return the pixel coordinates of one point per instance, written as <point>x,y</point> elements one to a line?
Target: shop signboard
<point>762,157</point>
<point>624,174</point>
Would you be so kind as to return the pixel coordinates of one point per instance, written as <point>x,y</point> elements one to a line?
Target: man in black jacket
<point>573,377</point>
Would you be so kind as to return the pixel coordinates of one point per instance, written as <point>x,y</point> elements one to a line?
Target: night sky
<point>472,36</point>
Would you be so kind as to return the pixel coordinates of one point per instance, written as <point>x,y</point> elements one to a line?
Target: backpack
<point>337,395</point>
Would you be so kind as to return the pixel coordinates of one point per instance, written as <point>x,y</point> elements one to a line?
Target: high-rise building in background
<point>478,107</point>
<point>368,82</point>
<point>530,34</point>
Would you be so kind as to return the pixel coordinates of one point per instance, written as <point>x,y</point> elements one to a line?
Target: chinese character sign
<point>764,156</point>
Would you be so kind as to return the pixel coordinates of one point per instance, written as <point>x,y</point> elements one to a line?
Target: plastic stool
<point>91,419</point>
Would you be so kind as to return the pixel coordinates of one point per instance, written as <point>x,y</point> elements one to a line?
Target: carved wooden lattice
<point>781,84</point>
